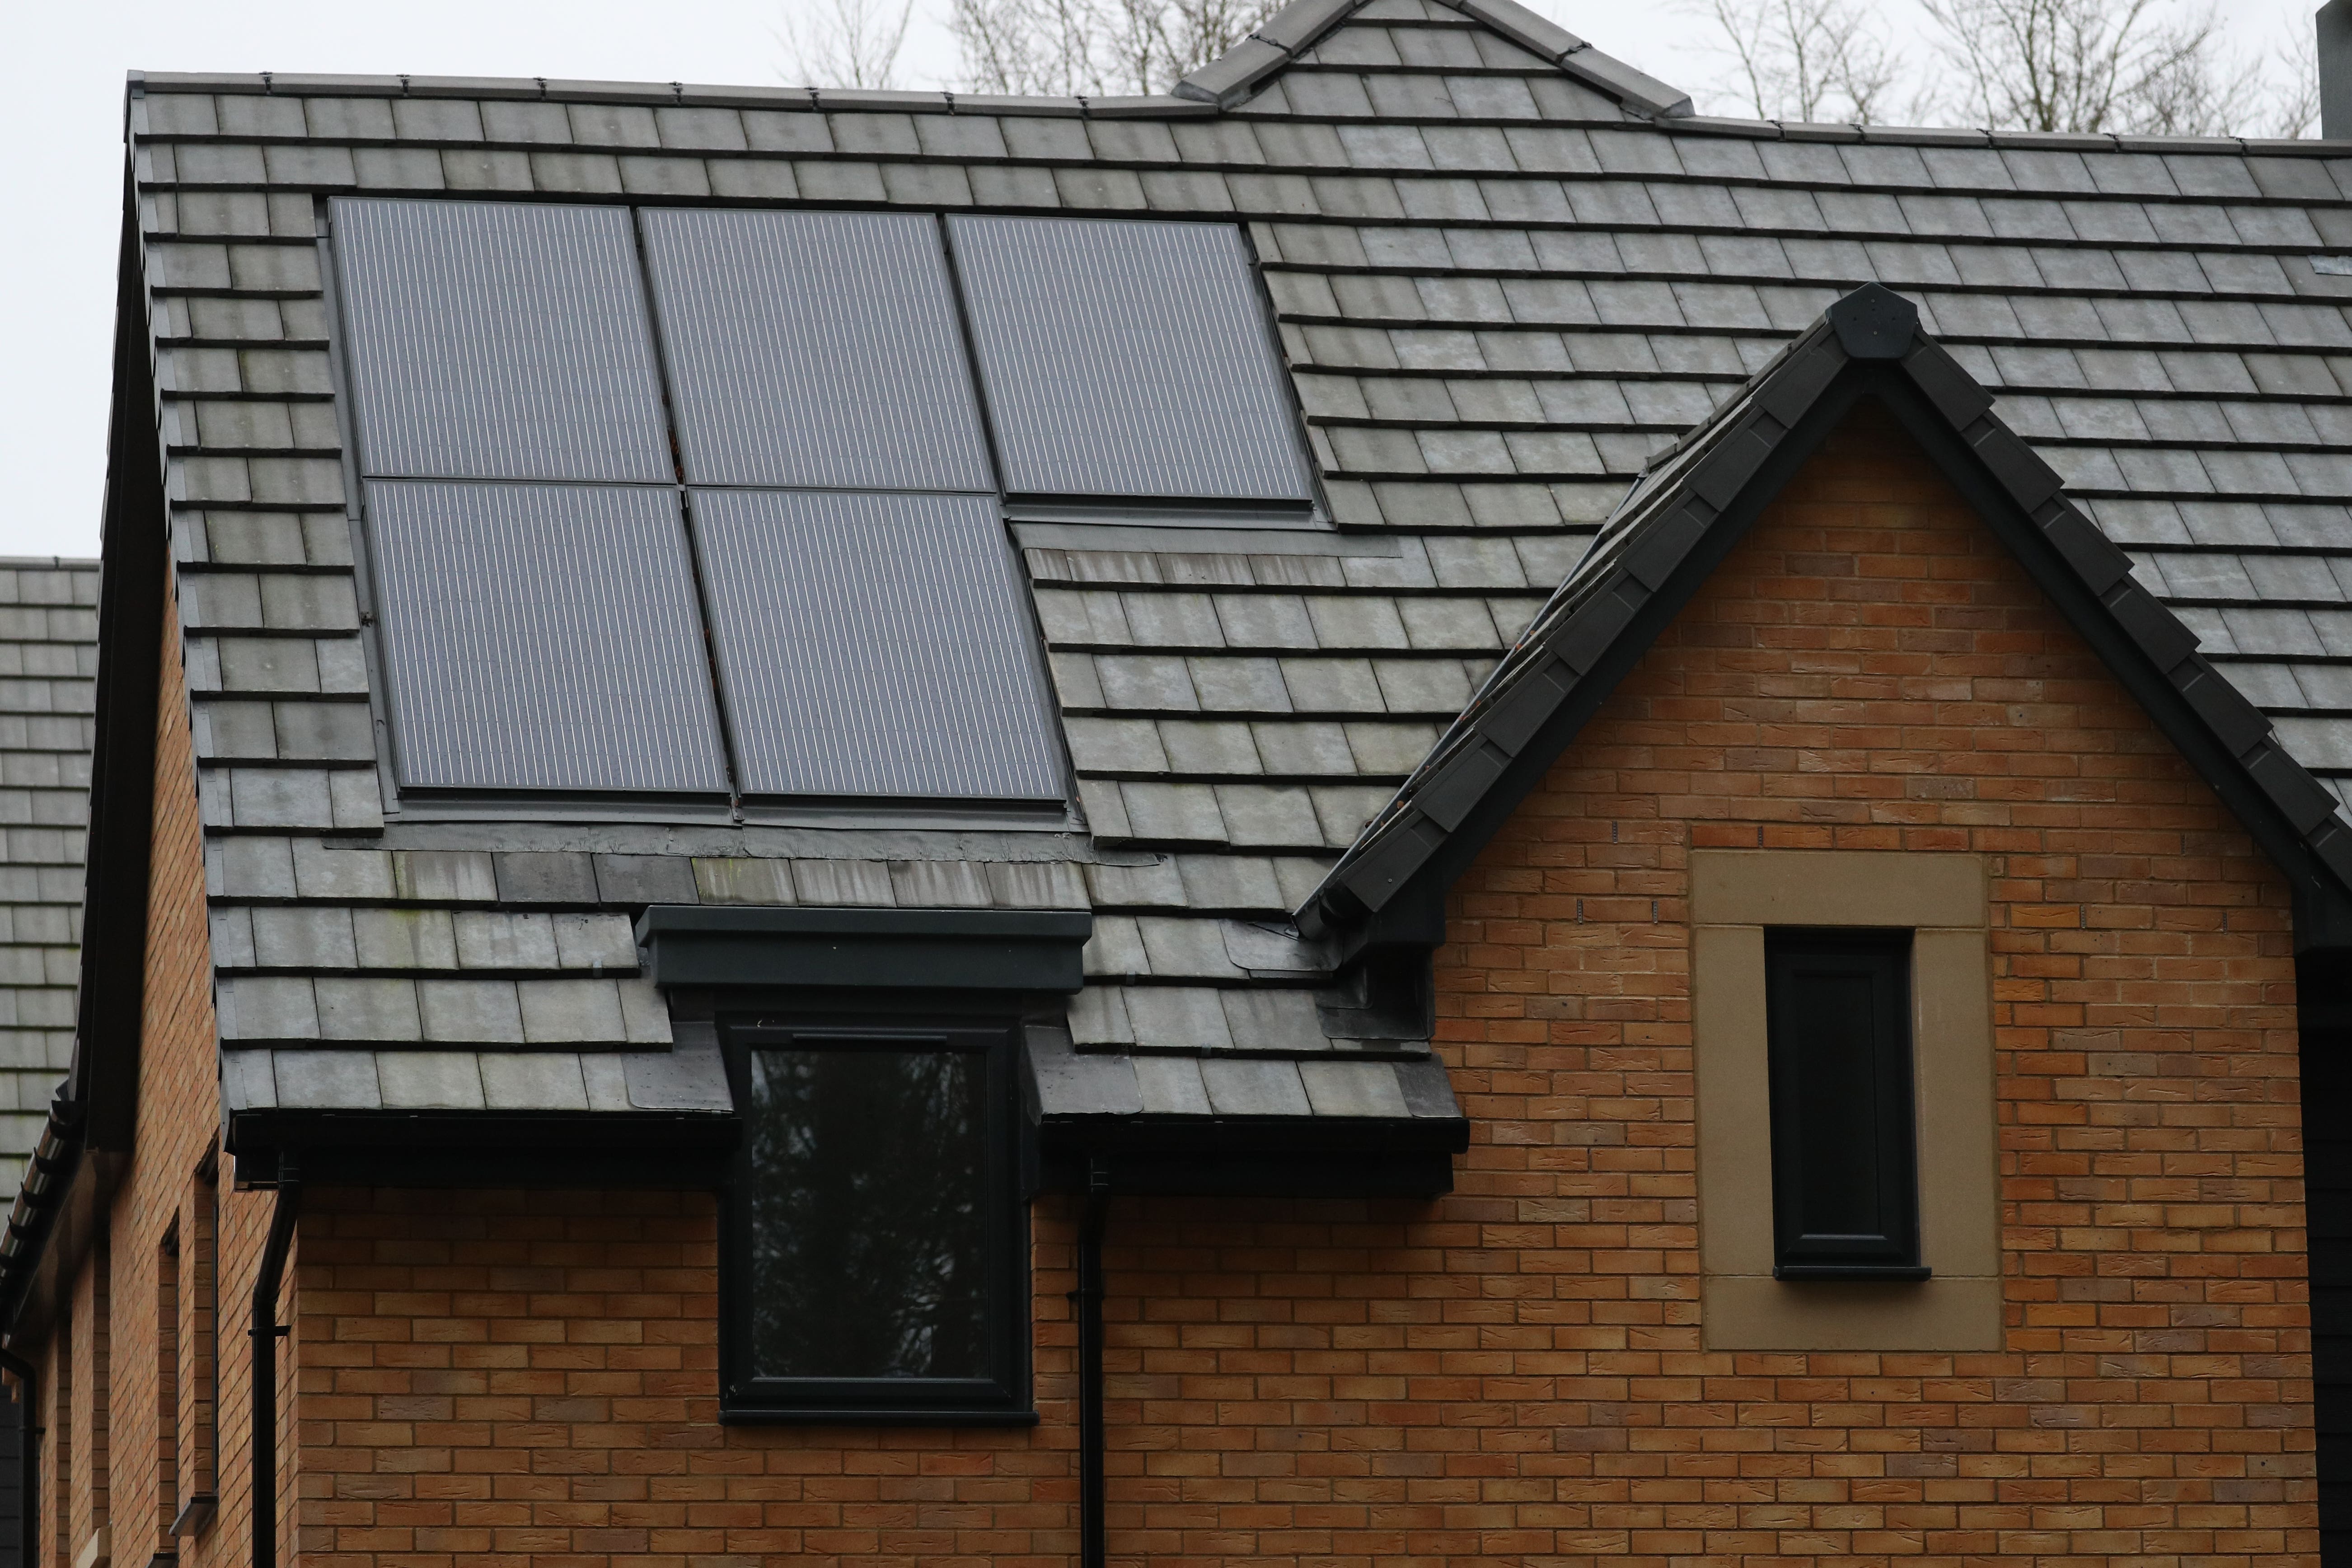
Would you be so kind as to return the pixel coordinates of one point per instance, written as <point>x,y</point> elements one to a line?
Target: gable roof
<point>1502,289</point>
<point>1681,519</point>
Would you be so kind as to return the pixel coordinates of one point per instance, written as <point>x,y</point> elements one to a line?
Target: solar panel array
<point>1127,359</point>
<point>831,476</point>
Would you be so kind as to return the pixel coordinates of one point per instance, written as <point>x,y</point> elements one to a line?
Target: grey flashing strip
<point>1579,637</point>
<point>920,950</point>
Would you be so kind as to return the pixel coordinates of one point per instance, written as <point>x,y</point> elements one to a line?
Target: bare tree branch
<point>2089,65</point>
<point>1807,60</point>
<point>2292,95</point>
<point>844,42</point>
<point>1094,47</point>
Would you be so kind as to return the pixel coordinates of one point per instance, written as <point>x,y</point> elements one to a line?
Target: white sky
<point>61,148</point>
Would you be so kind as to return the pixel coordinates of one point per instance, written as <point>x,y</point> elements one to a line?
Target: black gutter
<point>265,1331</point>
<point>47,1178</point>
<point>29,1456</point>
<point>1089,1298</point>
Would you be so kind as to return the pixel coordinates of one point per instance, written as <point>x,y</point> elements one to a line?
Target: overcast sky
<point>62,126</point>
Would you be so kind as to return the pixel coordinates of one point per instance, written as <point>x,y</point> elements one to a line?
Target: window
<point>1845,1191</point>
<point>877,1265</point>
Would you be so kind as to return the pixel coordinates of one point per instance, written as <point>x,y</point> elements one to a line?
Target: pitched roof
<point>1505,282</point>
<point>1683,516</point>
<point>49,658</point>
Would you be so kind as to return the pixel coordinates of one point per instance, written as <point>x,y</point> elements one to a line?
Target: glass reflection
<point>869,1178</point>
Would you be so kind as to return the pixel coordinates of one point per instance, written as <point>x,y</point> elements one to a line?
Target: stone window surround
<point>1943,899</point>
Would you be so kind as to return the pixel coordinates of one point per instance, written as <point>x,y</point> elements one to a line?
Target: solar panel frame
<point>876,644</point>
<point>542,638</point>
<point>497,340</point>
<point>1128,359</point>
<point>817,349</point>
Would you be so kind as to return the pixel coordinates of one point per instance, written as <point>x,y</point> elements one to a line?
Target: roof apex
<point>1245,68</point>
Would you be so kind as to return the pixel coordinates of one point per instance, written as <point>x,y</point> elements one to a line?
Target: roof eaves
<point>1583,640</point>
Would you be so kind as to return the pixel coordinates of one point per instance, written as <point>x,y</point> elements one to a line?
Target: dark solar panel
<point>814,349</point>
<point>543,636</point>
<point>874,644</point>
<point>1126,359</point>
<point>499,339</point>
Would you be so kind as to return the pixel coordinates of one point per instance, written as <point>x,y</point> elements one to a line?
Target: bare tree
<point>1094,47</point>
<point>2293,96</point>
<point>844,42</point>
<point>1808,61</point>
<point>2090,65</point>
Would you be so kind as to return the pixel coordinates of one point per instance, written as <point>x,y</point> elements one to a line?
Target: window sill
<point>852,1415</point>
<point>1882,1271</point>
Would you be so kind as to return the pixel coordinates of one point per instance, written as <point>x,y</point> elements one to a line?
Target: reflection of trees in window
<point>869,1180</point>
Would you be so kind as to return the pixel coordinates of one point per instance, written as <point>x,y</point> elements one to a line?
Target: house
<point>1403,808</point>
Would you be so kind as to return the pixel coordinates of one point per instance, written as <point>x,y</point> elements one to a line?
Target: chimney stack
<point>2334,21</point>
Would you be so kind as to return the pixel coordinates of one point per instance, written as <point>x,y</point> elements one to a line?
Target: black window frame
<point>746,1397</point>
<point>1799,1253</point>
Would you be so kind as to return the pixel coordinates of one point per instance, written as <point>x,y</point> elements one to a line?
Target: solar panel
<point>499,339</point>
<point>874,644</point>
<point>814,349</point>
<point>1126,359</point>
<point>543,636</point>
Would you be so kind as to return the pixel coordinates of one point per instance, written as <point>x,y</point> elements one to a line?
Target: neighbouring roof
<point>48,658</point>
<point>1507,278</point>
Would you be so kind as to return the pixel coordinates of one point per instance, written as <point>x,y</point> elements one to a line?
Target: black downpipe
<point>29,1477</point>
<point>1089,1294</point>
<point>265,1331</point>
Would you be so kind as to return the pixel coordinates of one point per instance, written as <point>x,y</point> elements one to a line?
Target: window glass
<point>1845,1193</point>
<point>870,1187</point>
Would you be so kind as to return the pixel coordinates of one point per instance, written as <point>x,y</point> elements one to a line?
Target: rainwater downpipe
<point>1089,1294</point>
<point>265,1331</point>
